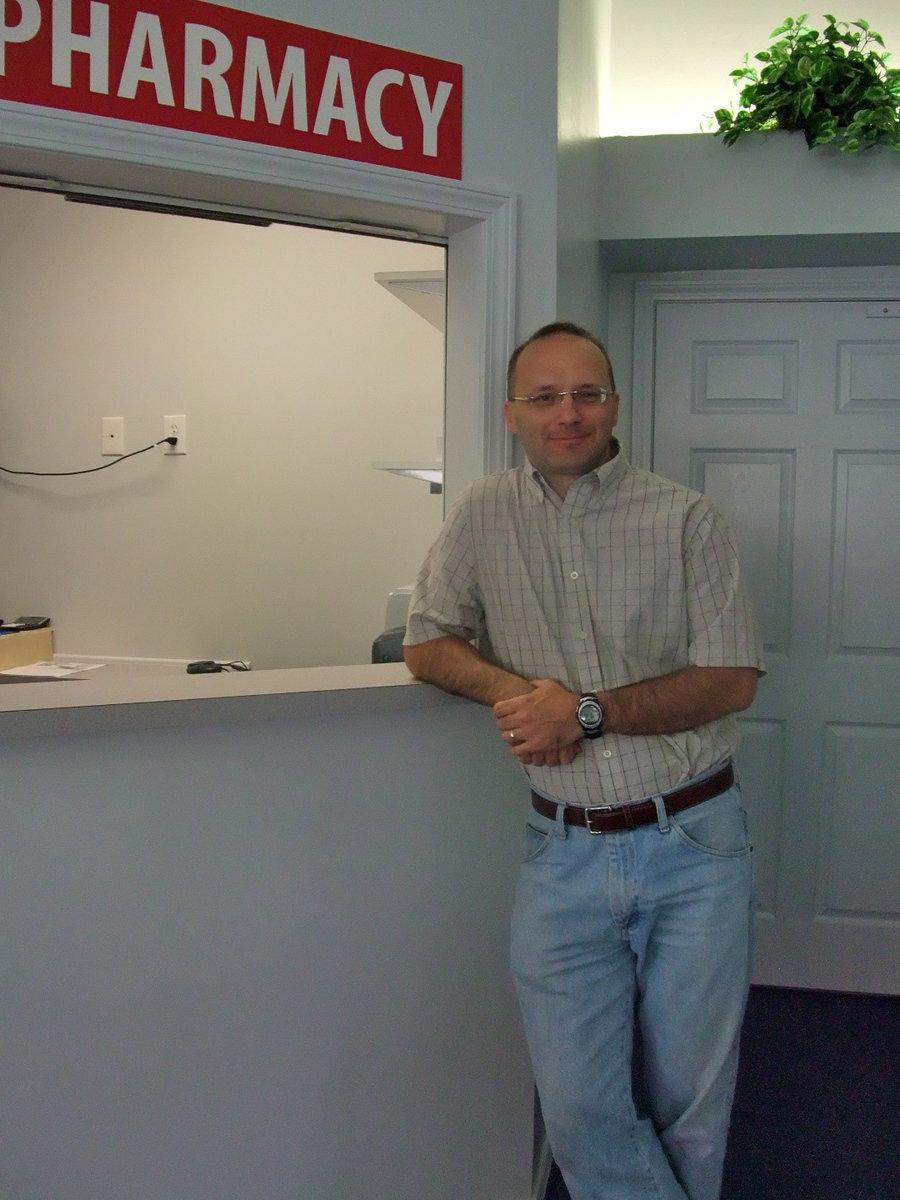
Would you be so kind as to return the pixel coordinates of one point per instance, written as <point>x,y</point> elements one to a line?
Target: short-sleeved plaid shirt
<point>630,577</point>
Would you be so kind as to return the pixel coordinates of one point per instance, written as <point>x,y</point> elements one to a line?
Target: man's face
<point>566,440</point>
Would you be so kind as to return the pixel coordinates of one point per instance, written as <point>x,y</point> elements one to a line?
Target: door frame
<point>75,155</point>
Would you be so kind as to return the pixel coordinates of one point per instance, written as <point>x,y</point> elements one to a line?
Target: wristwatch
<point>590,715</point>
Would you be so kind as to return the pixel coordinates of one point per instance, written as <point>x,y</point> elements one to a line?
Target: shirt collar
<point>600,478</point>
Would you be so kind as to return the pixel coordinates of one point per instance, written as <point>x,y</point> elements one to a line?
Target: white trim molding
<point>44,149</point>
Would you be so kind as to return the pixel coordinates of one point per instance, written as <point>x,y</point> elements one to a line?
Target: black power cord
<point>169,441</point>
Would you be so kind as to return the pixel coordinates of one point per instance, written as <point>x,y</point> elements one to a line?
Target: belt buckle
<point>596,808</point>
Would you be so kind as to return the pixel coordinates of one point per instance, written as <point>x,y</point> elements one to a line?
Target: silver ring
<point>512,735</point>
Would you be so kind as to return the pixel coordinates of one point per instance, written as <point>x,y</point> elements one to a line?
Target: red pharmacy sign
<point>204,68</point>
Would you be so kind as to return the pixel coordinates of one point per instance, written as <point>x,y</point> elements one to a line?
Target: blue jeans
<point>648,929</point>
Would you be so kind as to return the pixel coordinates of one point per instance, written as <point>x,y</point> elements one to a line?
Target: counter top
<point>127,696</point>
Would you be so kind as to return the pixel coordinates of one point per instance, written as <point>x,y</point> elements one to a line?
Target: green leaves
<point>831,85</point>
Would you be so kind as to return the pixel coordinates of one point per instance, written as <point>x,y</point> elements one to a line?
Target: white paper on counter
<point>51,670</point>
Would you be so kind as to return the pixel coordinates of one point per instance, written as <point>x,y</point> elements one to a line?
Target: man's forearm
<point>683,700</point>
<point>544,717</point>
<point>456,666</point>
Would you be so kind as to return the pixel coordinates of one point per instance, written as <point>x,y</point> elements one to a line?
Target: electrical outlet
<point>112,434</point>
<point>176,427</point>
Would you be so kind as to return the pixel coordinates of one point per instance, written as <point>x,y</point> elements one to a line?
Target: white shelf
<point>432,473</point>
<point>422,291</point>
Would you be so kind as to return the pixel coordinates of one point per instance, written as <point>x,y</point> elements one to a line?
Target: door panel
<point>787,413</point>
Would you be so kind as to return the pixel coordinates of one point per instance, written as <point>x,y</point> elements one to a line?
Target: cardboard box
<point>28,646</point>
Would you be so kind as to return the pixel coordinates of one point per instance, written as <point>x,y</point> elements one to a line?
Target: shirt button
<point>573,575</point>
<point>607,753</point>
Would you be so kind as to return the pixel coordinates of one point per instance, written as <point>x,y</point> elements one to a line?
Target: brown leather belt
<point>615,818</point>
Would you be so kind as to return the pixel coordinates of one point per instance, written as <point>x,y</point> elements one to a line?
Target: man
<point>599,610</point>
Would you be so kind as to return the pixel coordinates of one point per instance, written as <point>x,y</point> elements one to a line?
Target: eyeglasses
<point>584,397</point>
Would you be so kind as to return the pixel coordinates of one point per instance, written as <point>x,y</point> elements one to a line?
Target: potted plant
<point>834,86</point>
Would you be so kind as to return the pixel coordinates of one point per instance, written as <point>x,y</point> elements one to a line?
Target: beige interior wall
<point>273,538</point>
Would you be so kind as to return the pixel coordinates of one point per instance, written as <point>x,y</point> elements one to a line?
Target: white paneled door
<point>787,413</point>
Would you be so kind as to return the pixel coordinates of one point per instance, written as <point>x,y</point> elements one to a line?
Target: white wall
<point>273,538</point>
<point>582,40</point>
<point>665,67</point>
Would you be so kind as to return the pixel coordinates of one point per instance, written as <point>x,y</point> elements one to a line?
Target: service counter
<point>255,940</point>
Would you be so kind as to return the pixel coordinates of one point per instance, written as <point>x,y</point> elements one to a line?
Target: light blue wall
<point>692,185</point>
<point>264,960</point>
